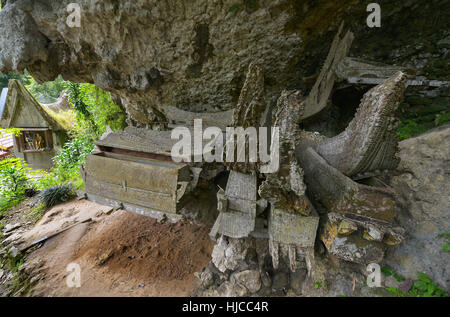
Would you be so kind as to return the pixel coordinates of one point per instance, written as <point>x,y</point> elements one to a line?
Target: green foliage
<point>321,284</point>
<point>386,270</point>
<point>57,194</point>
<point>423,278</point>
<point>19,284</point>
<point>423,287</point>
<point>73,153</point>
<point>65,118</point>
<point>7,203</point>
<point>442,118</point>
<point>410,128</point>
<point>4,79</point>
<point>48,89</point>
<point>36,213</point>
<point>5,132</point>
<point>14,264</point>
<point>446,245</point>
<point>396,291</point>
<point>67,164</point>
<point>83,113</point>
<point>398,277</point>
<point>419,114</point>
<point>96,108</point>
<point>13,178</point>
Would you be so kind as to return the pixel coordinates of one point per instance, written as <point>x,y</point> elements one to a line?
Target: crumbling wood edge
<point>409,82</point>
<point>320,92</point>
<point>257,233</point>
<point>159,215</point>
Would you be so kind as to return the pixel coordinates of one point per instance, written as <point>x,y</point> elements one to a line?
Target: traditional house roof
<point>15,99</point>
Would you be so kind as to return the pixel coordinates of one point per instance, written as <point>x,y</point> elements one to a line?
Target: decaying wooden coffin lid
<point>134,169</point>
<point>139,142</point>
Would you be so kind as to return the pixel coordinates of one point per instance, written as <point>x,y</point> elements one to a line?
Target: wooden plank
<point>319,94</point>
<point>144,211</point>
<point>352,67</point>
<point>137,140</point>
<point>140,197</point>
<point>289,228</point>
<point>409,82</point>
<point>241,186</point>
<point>152,175</point>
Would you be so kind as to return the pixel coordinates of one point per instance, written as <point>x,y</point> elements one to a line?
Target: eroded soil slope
<point>124,254</point>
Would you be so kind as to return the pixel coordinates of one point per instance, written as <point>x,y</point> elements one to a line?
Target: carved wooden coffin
<point>133,170</point>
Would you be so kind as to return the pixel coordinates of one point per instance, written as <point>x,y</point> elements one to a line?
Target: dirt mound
<point>142,247</point>
<point>121,254</point>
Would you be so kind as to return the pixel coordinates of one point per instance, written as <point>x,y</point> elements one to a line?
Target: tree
<point>4,79</point>
<point>50,89</point>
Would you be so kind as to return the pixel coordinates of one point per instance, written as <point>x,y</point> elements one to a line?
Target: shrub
<point>56,194</point>
<point>13,178</point>
<point>7,203</point>
<point>409,129</point>
<point>73,153</point>
<point>67,164</point>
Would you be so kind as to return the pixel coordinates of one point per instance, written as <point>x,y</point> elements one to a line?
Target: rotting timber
<point>133,170</point>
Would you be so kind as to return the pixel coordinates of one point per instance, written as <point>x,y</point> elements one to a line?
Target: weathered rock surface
<point>423,189</point>
<point>152,54</point>
<point>194,55</point>
<point>248,278</point>
<point>229,253</point>
<point>296,280</point>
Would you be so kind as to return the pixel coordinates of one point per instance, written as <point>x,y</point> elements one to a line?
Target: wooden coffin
<point>134,172</point>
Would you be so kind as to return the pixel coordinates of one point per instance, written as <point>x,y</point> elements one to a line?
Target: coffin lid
<point>143,140</point>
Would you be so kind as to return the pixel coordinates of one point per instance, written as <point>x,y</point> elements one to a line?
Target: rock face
<point>423,189</point>
<point>229,254</point>
<point>152,54</point>
<point>194,55</point>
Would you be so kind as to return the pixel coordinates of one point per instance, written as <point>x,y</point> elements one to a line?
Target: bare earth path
<point>121,254</point>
